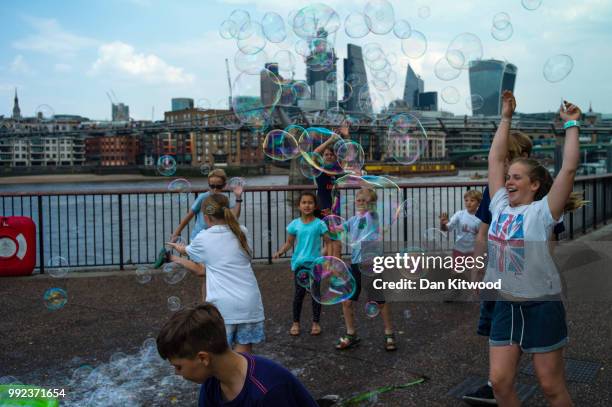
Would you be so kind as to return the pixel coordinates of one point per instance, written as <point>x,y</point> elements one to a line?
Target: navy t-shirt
<point>325,186</point>
<point>484,214</point>
<point>267,384</point>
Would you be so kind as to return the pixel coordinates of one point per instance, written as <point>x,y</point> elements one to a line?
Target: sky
<point>63,57</point>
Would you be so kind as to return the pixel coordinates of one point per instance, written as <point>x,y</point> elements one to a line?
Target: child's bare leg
<point>385,313</point>
<point>349,316</point>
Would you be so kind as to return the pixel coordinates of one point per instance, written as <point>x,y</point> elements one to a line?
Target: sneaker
<point>483,396</point>
<point>162,257</point>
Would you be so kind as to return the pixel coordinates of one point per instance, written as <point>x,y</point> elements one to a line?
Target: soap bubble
<point>558,67</point>
<point>57,267</point>
<point>463,49</point>
<point>247,103</point>
<point>371,309</point>
<point>174,303</point>
<point>250,64</point>
<point>502,34</point>
<point>205,169</point>
<point>308,170</point>
<point>143,274</point>
<point>321,56</point>
<point>501,20</point>
<point>301,90</point>
<point>356,25</point>
<point>273,27</point>
<point>236,182</point>
<point>415,46</point>
<point>531,4</point>
<point>228,29</point>
<point>350,155</point>
<point>173,273</point>
<point>303,277</point>
<point>402,29</point>
<point>406,139</point>
<point>335,227</point>
<point>331,281</point>
<point>240,17</point>
<point>55,298</point>
<point>380,16</point>
<point>309,21</point>
<point>280,145</point>
<point>251,38</point>
<point>286,62</point>
<point>445,71</point>
<point>179,185</point>
<point>166,165</point>
<point>44,112</point>
<point>450,95</point>
<point>474,102</point>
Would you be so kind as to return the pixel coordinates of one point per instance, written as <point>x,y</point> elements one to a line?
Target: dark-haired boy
<point>194,341</point>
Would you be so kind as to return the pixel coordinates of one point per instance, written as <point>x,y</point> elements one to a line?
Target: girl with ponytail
<point>529,316</point>
<point>222,254</point>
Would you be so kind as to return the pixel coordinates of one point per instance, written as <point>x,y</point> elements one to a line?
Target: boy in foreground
<point>194,342</point>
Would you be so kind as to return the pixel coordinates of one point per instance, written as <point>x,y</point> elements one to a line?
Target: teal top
<point>308,236</point>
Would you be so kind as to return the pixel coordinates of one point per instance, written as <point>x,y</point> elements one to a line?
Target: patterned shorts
<point>244,334</point>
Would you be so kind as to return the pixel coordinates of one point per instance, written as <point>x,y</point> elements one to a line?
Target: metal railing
<point>128,228</point>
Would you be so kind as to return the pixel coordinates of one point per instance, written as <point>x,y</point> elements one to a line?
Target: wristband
<point>238,200</point>
<point>571,123</point>
<point>505,120</point>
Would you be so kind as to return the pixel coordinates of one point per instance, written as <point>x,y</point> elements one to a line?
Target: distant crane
<point>229,82</point>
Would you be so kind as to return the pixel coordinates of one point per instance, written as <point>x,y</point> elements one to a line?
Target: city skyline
<point>153,51</point>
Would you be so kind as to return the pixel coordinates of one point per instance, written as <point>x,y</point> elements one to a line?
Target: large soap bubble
<point>356,25</point>
<point>251,38</point>
<point>228,29</point>
<point>502,34</point>
<point>311,21</point>
<point>406,139</point>
<point>331,281</point>
<point>250,63</point>
<point>380,16</point>
<point>450,95</point>
<point>247,102</point>
<point>415,46</point>
<point>273,27</point>
<point>464,48</point>
<point>402,29</point>
<point>445,71</point>
<point>531,4</point>
<point>280,145</point>
<point>558,67</point>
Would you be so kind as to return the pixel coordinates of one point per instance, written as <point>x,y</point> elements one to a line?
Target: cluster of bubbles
<point>142,378</point>
<point>501,28</point>
<point>405,141</point>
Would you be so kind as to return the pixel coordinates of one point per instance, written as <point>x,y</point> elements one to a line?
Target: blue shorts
<point>244,334</point>
<point>486,315</point>
<point>536,326</point>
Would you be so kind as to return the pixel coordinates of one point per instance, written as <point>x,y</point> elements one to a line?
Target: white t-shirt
<point>466,227</point>
<point>518,248</point>
<point>230,282</point>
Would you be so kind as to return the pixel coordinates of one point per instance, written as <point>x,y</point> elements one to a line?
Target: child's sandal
<point>347,341</point>
<point>294,330</point>
<point>390,342</point>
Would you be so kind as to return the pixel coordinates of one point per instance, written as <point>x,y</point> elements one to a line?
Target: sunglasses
<point>216,186</point>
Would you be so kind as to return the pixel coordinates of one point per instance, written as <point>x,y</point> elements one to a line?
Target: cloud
<point>121,58</point>
<point>20,66</point>
<point>62,68</point>
<point>51,38</point>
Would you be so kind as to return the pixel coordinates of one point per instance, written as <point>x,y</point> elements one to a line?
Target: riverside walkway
<point>110,312</point>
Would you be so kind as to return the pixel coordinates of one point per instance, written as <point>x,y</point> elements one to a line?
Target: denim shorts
<point>244,334</point>
<point>486,315</point>
<point>536,326</point>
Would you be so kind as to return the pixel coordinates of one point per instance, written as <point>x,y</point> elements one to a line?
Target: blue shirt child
<point>308,236</point>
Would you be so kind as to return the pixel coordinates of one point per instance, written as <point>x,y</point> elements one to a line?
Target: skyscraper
<point>356,80</point>
<point>488,79</point>
<point>321,70</point>
<point>121,112</point>
<point>181,104</point>
<point>413,86</point>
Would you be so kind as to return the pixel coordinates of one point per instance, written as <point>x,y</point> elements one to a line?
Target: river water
<point>126,224</point>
